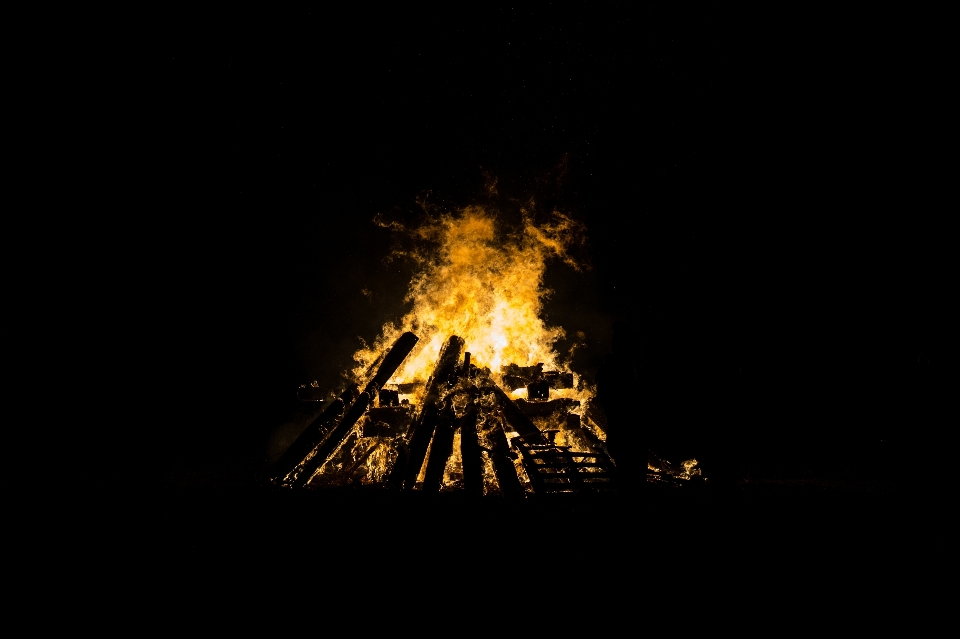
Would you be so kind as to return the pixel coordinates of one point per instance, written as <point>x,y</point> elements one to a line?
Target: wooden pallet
<point>557,469</point>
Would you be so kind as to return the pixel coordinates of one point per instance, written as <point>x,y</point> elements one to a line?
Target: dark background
<point>761,207</point>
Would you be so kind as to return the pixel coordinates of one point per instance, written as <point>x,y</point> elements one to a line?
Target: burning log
<point>470,452</point>
<point>396,355</point>
<point>401,348</point>
<point>311,437</point>
<point>503,466</point>
<point>408,466</point>
<point>440,449</point>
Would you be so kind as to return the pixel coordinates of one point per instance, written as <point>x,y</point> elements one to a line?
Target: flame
<point>485,286</point>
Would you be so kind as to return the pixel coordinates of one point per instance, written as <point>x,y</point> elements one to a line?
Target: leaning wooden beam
<point>594,442</point>
<point>503,466</point>
<point>426,423</point>
<point>401,348</point>
<point>440,450</point>
<point>470,453</point>
<point>520,422</point>
<point>311,437</point>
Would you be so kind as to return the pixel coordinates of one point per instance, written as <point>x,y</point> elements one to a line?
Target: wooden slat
<point>558,469</point>
<point>562,454</point>
<point>579,476</point>
<point>573,465</point>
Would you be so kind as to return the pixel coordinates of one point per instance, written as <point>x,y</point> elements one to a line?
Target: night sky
<point>763,216</point>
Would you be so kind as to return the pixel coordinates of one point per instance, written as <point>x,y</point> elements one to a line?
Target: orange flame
<point>484,288</point>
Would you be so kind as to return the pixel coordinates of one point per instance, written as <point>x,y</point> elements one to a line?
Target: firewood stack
<point>466,435</point>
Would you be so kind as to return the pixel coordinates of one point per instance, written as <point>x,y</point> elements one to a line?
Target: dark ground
<point>766,218</point>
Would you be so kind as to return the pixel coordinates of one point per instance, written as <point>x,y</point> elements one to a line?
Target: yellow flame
<point>485,288</point>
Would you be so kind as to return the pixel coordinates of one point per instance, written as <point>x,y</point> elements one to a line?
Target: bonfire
<point>466,392</point>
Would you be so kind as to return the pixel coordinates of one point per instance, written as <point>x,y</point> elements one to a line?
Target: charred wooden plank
<point>520,422</point>
<point>401,348</point>
<point>440,450</point>
<point>568,464</point>
<point>580,476</point>
<point>572,471</point>
<point>503,466</point>
<point>429,416</point>
<point>513,382</point>
<point>535,480</point>
<point>556,468</point>
<point>561,453</point>
<point>391,362</point>
<point>515,377</point>
<point>470,453</point>
<point>312,435</point>
<point>561,469</point>
<point>539,409</point>
<point>331,443</point>
<point>556,379</point>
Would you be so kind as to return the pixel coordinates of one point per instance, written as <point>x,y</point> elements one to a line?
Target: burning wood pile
<point>466,434</point>
<point>501,411</point>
